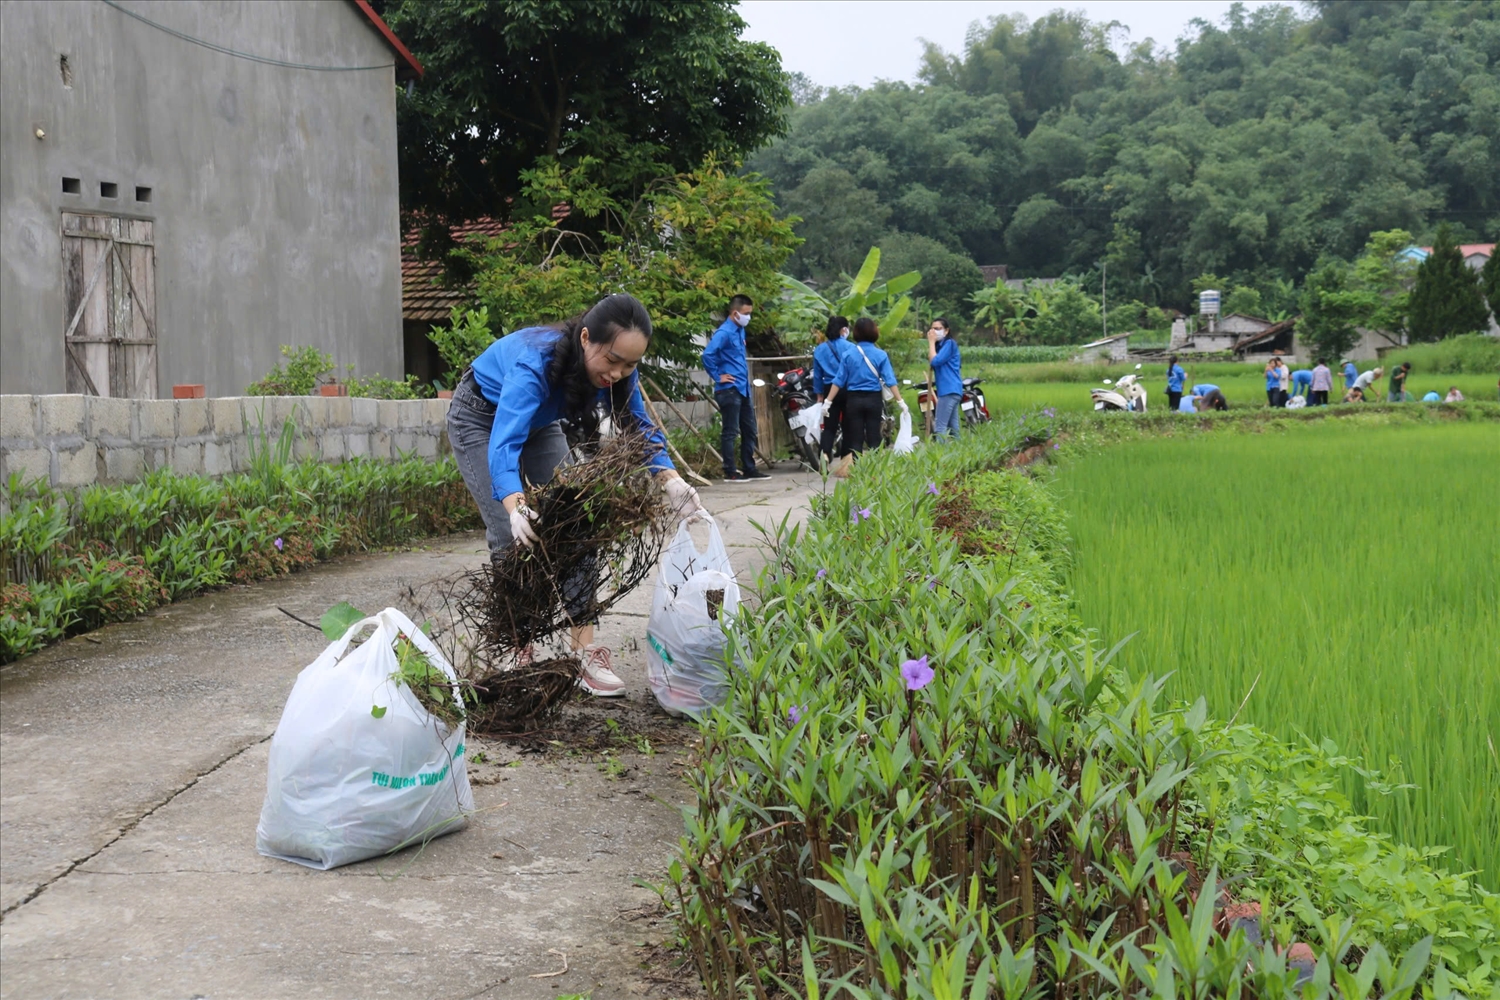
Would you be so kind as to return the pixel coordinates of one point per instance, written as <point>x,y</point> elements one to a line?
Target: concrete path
<point>132,769</point>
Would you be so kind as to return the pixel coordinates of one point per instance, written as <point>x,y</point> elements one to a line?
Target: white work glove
<point>901,404</point>
<point>523,526</point>
<point>684,499</point>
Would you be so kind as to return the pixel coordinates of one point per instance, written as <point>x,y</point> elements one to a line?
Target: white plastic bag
<point>808,422</point>
<point>343,785</point>
<point>685,637</point>
<point>906,441</point>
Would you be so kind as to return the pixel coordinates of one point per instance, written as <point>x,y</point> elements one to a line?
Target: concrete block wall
<point>76,440</point>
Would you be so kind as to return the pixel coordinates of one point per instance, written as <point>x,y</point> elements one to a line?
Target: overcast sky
<point>839,42</point>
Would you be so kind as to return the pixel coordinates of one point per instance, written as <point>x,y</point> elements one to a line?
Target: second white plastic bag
<point>358,767</point>
<point>696,595</point>
<point>906,441</point>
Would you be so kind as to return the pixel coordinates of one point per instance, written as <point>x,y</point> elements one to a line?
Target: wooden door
<point>109,282</point>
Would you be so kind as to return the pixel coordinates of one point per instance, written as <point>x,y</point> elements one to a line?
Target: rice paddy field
<point>1346,571</point>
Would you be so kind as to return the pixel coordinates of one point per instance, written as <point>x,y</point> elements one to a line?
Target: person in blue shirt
<point>1350,374</point>
<point>504,426</point>
<point>729,371</point>
<point>1204,396</point>
<point>1302,381</point>
<point>1175,378</point>
<point>864,377</point>
<point>828,358</point>
<point>948,382</point>
<point>1273,382</point>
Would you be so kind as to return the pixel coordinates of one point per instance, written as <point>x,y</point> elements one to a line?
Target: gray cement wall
<point>76,440</point>
<point>273,190</point>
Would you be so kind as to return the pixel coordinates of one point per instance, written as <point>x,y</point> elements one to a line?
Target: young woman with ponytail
<point>504,425</point>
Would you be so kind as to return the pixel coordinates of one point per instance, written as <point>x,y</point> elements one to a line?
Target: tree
<point>1445,301</point>
<point>1489,281</point>
<point>1331,311</point>
<point>948,278</point>
<point>692,241</point>
<point>646,89</point>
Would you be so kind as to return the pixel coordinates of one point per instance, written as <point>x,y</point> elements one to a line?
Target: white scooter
<point>1128,394</point>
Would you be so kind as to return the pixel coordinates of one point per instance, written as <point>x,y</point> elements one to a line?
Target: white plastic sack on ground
<point>807,422</point>
<point>344,785</point>
<point>685,636</point>
<point>906,441</point>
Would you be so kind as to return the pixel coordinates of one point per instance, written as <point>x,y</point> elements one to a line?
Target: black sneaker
<point>752,476</point>
<point>736,477</point>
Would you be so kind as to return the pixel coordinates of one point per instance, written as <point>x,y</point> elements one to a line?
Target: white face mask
<point>743,319</point>
<point>940,334</point>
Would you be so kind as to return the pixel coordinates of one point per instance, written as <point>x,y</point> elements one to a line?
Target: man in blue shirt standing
<point>729,371</point>
<point>1350,374</point>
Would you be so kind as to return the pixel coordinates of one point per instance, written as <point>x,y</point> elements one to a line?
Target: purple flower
<point>822,573</point>
<point>277,543</point>
<point>1056,446</point>
<point>861,513</point>
<point>916,673</point>
<point>932,582</point>
<point>932,488</point>
<point>794,714</point>
<point>1049,412</point>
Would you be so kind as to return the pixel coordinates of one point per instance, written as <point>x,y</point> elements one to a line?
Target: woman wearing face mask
<point>504,427</point>
<point>948,383</point>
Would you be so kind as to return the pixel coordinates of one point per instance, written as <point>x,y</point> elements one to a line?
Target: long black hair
<point>566,372</point>
<point>835,328</point>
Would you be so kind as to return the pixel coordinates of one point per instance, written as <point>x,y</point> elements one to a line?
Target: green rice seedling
<point>1336,580</point>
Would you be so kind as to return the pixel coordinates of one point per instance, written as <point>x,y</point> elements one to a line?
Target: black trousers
<point>862,415</point>
<point>1320,397</point>
<point>1173,400</point>
<point>833,417</point>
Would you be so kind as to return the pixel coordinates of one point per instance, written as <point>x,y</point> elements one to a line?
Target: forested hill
<point>1268,140</point>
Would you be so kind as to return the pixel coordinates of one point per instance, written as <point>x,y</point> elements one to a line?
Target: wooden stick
<point>687,469</point>
<point>715,404</point>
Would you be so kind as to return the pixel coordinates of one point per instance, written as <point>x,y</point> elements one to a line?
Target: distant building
<point>185,186</point>
<point>1474,254</point>
<point>427,297</point>
<point>994,272</point>
<point>1116,348</point>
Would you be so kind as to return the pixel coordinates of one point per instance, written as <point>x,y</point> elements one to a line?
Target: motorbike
<point>971,406</point>
<point>1127,394</point>
<point>802,413</point>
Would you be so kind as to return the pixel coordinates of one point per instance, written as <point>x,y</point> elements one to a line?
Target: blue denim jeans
<point>737,415</point>
<point>947,419</point>
<point>470,419</point>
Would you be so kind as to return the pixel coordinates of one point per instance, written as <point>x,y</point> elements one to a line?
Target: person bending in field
<point>1302,381</point>
<point>1365,383</point>
<point>1454,396</point>
<point>505,427</point>
<point>1211,400</point>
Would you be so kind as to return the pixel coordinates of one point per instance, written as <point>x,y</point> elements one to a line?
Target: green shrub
<point>76,560</point>
<point>1470,354</point>
<point>463,339</point>
<point>307,368</point>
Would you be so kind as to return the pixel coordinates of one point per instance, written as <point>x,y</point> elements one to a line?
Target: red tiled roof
<point>424,296</point>
<point>406,63</point>
<point>1467,250</point>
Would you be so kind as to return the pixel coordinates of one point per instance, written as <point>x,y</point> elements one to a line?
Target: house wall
<point>273,190</point>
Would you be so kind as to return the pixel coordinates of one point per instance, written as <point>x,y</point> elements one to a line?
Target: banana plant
<point>864,295</point>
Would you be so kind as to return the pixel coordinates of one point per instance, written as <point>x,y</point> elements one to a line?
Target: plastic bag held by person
<point>808,422</point>
<point>906,441</point>
<point>685,639</point>
<point>358,767</point>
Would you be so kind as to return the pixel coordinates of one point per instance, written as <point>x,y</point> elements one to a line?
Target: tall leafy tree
<point>1445,301</point>
<point>647,89</point>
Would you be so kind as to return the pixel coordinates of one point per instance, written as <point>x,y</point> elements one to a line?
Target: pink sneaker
<point>598,678</point>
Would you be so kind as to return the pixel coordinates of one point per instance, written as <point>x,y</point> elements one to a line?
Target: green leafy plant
<point>305,369</point>
<point>804,307</point>
<point>463,339</point>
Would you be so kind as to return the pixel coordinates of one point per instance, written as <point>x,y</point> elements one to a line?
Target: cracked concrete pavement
<point>132,769</point>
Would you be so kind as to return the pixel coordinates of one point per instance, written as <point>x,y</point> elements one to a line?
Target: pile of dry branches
<point>600,518</point>
<point>602,524</point>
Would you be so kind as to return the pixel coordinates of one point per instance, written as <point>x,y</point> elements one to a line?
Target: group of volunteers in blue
<point>515,407</point>
<point>1305,387</point>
